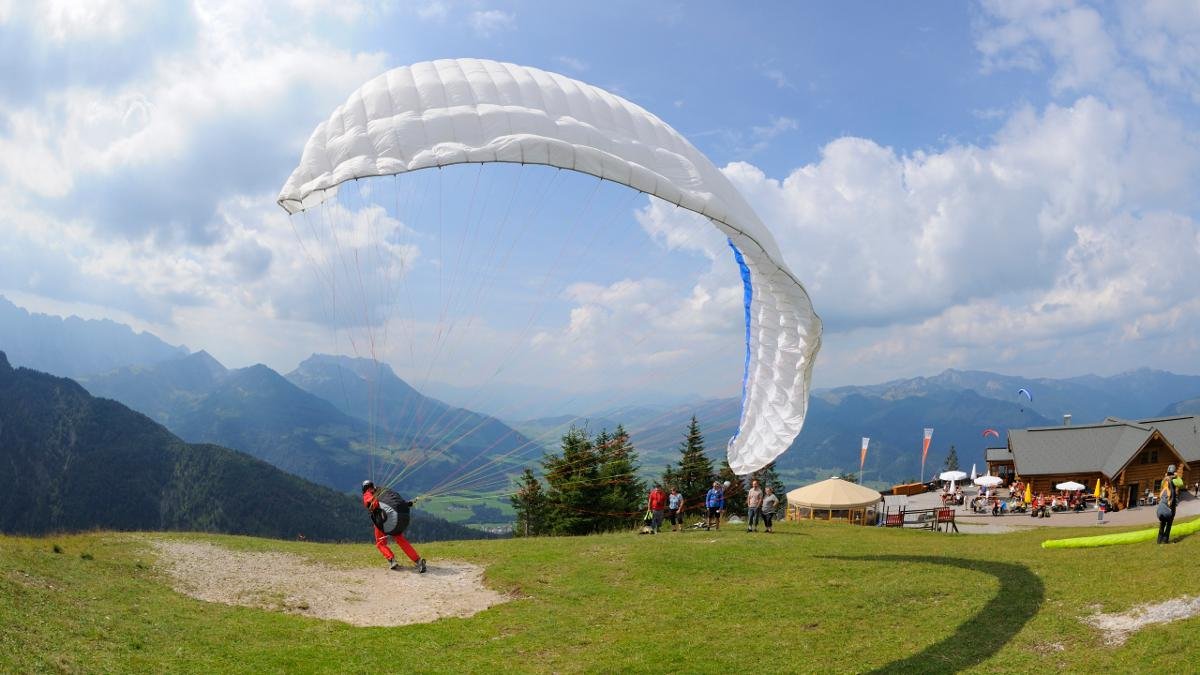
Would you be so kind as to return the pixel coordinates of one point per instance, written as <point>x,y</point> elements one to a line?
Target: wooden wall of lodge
<point>1144,475</point>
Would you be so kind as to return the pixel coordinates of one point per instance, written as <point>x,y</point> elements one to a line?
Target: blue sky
<point>1000,186</point>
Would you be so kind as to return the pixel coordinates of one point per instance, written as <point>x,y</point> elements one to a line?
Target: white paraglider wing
<point>475,111</point>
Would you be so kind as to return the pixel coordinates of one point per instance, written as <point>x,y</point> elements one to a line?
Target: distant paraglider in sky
<point>991,432</point>
<point>1024,392</point>
<point>476,112</point>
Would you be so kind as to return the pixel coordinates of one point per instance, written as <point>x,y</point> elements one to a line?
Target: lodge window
<point>1148,457</point>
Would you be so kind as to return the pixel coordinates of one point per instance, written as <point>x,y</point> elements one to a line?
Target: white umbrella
<point>973,474</point>
<point>988,480</point>
<point>1070,485</point>
<point>952,476</point>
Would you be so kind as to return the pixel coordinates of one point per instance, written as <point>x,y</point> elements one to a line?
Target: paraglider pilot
<point>389,513</point>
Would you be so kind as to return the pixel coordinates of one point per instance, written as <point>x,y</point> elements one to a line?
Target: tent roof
<point>833,493</point>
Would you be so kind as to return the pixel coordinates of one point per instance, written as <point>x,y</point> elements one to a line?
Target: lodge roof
<point>1181,431</point>
<point>1105,447</point>
<point>1001,454</point>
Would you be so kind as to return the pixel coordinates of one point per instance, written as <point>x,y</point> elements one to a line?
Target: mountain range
<point>333,420</point>
<point>958,405</point>
<point>73,347</point>
<point>75,462</point>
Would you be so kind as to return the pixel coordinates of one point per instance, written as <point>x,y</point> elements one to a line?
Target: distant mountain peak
<point>75,347</point>
<point>4,361</point>
<point>361,366</point>
<point>203,358</point>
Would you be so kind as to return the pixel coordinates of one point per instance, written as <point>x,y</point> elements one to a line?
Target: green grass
<point>814,597</point>
<point>457,508</point>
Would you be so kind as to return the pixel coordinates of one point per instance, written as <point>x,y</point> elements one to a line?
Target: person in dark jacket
<point>389,513</point>
<point>1168,500</point>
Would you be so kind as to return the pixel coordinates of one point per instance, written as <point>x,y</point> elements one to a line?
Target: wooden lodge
<point>1127,457</point>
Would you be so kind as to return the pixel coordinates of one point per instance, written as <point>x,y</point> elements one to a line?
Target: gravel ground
<point>289,583</point>
<point>1117,627</point>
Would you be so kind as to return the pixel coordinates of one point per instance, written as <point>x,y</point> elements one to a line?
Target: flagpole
<point>925,450</point>
<point>862,459</point>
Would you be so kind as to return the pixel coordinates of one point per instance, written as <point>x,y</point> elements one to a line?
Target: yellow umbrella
<point>1096,494</point>
<point>1028,493</point>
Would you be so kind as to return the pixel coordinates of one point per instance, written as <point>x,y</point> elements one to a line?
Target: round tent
<point>835,499</point>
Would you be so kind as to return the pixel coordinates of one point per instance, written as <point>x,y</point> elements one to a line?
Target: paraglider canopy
<point>991,432</point>
<point>1025,392</point>
<point>458,111</point>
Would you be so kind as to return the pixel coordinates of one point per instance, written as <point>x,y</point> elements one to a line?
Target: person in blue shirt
<point>714,502</point>
<point>675,509</point>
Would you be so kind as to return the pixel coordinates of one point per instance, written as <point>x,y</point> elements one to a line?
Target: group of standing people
<point>760,505</point>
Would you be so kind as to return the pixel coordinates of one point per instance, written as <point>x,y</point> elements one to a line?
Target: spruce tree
<point>623,493</point>
<point>695,473</point>
<point>530,504</point>
<point>951,460</point>
<point>573,480</point>
<point>670,478</point>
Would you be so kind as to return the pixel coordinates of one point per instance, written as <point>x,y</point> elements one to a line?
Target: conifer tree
<point>951,460</point>
<point>670,478</point>
<point>530,504</point>
<point>695,473</point>
<point>574,486</point>
<point>623,492</point>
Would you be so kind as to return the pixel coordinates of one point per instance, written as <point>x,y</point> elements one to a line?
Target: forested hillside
<point>74,462</point>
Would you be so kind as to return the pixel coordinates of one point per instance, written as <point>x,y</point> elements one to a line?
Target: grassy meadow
<point>813,597</point>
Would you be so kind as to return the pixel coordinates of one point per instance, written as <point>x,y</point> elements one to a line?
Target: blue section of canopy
<point>747,298</point>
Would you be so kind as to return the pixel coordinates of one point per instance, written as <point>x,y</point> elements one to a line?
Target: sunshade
<point>989,481</point>
<point>951,475</point>
<point>1070,485</point>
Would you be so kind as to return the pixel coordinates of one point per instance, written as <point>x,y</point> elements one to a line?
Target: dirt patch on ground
<point>1118,627</point>
<point>289,583</point>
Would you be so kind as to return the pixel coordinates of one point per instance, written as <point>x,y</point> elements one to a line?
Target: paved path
<point>979,523</point>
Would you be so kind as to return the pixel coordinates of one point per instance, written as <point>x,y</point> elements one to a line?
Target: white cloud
<point>1165,37</point>
<point>433,11</point>
<point>68,20</point>
<point>487,23</point>
<point>135,156</point>
<point>1074,37</point>
<point>641,332</point>
<point>779,78</point>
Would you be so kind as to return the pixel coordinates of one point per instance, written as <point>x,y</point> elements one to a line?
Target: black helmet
<point>367,485</point>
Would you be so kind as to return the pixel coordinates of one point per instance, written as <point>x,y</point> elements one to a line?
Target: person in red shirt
<point>658,503</point>
<point>389,513</point>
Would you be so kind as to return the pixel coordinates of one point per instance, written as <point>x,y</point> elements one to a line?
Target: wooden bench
<point>946,517</point>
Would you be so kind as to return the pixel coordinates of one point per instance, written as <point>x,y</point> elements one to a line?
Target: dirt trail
<point>290,583</point>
